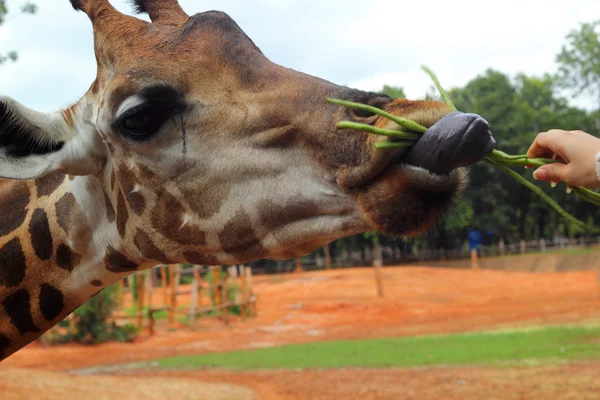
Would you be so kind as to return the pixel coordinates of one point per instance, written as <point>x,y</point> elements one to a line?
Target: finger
<point>546,144</point>
<point>551,173</point>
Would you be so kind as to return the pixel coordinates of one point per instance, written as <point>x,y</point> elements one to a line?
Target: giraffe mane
<point>139,6</point>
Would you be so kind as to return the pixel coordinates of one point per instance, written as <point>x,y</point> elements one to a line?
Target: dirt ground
<point>340,304</point>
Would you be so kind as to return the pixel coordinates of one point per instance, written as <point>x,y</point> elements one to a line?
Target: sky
<point>360,43</point>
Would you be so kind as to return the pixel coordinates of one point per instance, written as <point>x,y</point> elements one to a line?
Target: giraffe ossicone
<point>190,146</point>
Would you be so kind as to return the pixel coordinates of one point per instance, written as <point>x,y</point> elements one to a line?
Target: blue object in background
<point>475,239</point>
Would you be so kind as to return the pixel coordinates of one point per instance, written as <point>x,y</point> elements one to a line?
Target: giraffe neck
<point>56,236</point>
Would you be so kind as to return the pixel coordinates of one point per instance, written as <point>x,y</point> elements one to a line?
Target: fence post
<point>165,288</point>
<point>149,287</point>
<point>298,265</point>
<point>474,259</point>
<point>199,285</point>
<point>379,278</point>
<point>523,246</point>
<point>327,257</point>
<point>502,247</point>
<point>194,300</point>
<point>543,245</point>
<point>250,290</point>
<point>140,287</point>
<point>173,290</point>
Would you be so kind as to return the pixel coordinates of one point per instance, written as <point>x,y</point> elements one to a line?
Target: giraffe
<point>190,146</point>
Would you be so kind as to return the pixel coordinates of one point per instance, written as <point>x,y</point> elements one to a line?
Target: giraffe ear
<point>33,143</point>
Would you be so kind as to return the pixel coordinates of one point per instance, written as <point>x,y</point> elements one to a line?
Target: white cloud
<point>351,42</point>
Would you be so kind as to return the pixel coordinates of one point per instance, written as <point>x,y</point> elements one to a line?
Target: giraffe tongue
<point>457,140</point>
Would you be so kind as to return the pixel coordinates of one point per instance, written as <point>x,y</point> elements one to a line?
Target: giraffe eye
<point>145,120</point>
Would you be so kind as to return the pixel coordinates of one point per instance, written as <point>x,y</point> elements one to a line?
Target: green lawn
<point>538,346</point>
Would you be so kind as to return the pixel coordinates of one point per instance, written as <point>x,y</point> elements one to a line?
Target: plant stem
<point>393,145</point>
<point>405,123</point>
<point>378,131</point>
<point>439,87</point>
<point>539,192</point>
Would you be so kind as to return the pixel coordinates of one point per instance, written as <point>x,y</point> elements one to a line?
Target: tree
<point>394,92</point>
<point>579,61</point>
<point>28,8</point>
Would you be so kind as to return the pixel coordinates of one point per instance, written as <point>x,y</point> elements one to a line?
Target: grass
<point>494,349</point>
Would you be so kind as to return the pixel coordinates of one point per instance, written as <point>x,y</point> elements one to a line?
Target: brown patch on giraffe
<point>41,237</point>
<point>52,301</point>
<point>167,218</point>
<point>68,117</point>
<point>113,180</point>
<point>14,200</point>
<point>206,201</point>
<point>95,86</point>
<point>149,251</point>
<point>122,215</point>
<point>48,183</point>
<point>239,239</point>
<point>74,222</point>
<point>136,201</point>
<point>110,211</point>
<point>18,308</point>
<point>117,263</point>
<point>200,259</point>
<point>145,174</point>
<point>5,344</point>
<point>66,258</point>
<point>96,283</point>
<point>12,264</point>
<point>72,177</point>
<point>275,216</point>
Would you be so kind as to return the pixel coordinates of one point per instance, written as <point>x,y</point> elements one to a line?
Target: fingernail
<point>540,175</point>
<point>553,184</point>
<point>569,190</point>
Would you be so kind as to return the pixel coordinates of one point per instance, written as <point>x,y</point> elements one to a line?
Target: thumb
<point>551,173</point>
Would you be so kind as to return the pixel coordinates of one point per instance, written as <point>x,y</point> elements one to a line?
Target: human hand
<point>576,148</point>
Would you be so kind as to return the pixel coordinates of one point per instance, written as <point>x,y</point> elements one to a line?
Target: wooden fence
<point>214,291</point>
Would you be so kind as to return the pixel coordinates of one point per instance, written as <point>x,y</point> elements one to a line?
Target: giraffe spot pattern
<point>239,239</point>
<point>64,211</point>
<point>149,251</point>
<point>41,237</point>
<point>48,183</point>
<point>113,180</point>
<point>110,211</point>
<point>136,201</point>
<point>122,215</point>
<point>167,218</point>
<point>66,258</point>
<point>14,200</point>
<point>275,216</point>
<point>18,308</point>
<point>5,344</point>
<point>74,222</point>
<point>200,259</point>
<point>52,302</point>
<point>117,263</point>
<point>96,283</point>
<point>12,264</point>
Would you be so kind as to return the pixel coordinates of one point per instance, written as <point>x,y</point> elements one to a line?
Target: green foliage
<point>579,60</point>
<point>90,322</point>
<point>494,349</point>
<point>28,8</point>
<point>394,92</point>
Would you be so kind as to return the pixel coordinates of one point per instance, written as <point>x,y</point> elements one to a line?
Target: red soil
<point>342,304</point>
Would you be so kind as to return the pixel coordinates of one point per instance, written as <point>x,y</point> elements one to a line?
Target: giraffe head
<point>209,153</point>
